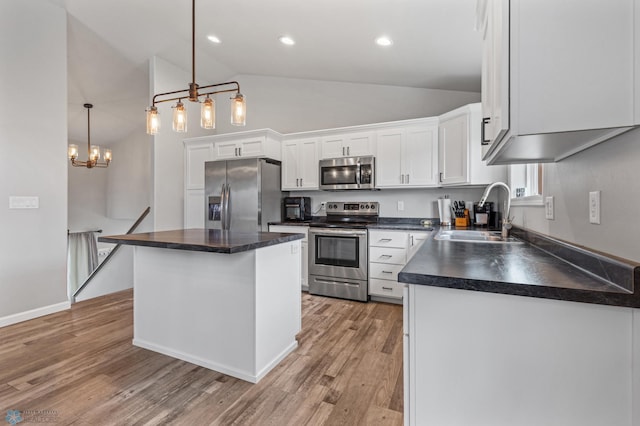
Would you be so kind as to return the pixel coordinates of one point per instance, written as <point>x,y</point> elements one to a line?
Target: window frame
<point>534,173</point>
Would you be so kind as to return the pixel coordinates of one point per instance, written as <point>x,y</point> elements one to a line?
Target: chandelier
<point>193,94</point>
<point>93,151</point>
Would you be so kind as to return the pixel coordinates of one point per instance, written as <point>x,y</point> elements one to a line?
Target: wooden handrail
<point>95,271</point>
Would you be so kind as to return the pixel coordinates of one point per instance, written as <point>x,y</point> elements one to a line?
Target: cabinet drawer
<point>385,288</point>
<point>388,255</point>
<point>384,271</point>
<point>388,239</point>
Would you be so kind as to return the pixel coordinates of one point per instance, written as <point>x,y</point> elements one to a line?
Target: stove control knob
<point>329,206</point>
<point>335,206</point>
<point>367,207</point>
<point>373,206</point>
<point>362,206</point>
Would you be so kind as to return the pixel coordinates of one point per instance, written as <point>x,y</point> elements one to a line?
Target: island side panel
<point>483,358</point>
<point>636,367</point>
<point>278,303</point>
<point>198,307</point>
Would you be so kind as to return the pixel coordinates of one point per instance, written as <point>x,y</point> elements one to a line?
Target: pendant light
<point>193,94</point>
<point>93,151</point>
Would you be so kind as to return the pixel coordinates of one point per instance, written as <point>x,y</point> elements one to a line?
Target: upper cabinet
<point>460,150</point>
<point>348,145</point>
<point>300,164</point>
<point>408,155</point>
<point>556,78</point>
<point>258,143</point>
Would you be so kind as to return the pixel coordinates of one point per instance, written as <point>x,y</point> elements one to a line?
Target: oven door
<point>338,253</point>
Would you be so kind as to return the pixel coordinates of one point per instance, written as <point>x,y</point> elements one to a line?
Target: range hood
<point>547,147</point>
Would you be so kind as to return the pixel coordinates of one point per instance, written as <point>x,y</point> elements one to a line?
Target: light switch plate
<point>400,206</point>
<point>549,211</point>
<point>16,202</point>
<point>594,207</point>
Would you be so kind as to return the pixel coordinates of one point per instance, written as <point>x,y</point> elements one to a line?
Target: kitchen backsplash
<point>416,202</point>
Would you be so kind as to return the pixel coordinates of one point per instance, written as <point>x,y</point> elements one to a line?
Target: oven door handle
<point>344,232</point>
<point>320,280</point>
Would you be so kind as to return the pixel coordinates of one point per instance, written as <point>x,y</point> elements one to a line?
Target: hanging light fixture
<point>93,151</point>
<point>193,94</point>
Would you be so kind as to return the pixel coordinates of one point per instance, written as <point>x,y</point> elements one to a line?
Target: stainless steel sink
<point>474,236</point>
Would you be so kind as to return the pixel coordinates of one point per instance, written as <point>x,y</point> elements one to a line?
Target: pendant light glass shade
<point>94,153</point>
<point>238,110</point>
<point>153,120</point>
<point>73,151</point>
<point>208,114</point>
<point>179,118</point>
<point>107,155</point>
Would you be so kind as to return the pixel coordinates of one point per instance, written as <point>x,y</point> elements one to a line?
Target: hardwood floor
<point>79,367</point>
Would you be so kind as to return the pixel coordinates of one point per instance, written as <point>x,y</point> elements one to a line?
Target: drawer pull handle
<point>384,240</point>
<point>387,288</point>
<point>386,256</point>
<point>387,272</point>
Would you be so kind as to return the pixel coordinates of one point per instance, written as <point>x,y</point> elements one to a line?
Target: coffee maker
<point>485,216</point>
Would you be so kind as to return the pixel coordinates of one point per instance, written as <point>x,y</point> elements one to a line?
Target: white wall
<point>168,150</point>
<point>284,105</point>
<point>33,85</point>
<point>611,167</point>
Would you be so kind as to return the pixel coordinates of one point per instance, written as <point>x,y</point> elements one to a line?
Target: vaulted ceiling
<point>110,42</point>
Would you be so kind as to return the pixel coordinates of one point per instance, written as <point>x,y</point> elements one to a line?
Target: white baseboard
<point>34,313</point>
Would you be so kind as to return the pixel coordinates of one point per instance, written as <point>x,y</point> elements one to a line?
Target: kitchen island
<point>223,300</point>
<point>520,334</point>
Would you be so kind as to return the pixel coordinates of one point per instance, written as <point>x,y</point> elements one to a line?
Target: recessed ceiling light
<point>287,40</point>
<point>213,39</point>
<point>384,41</point>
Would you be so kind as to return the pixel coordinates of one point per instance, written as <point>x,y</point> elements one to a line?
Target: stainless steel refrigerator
<point>242,195</point>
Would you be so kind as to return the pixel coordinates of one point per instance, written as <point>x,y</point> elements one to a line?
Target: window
<point>525,181</point>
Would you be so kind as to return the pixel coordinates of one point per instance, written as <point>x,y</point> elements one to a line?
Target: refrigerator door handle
<point>222,208</point>
<point>227,209</point>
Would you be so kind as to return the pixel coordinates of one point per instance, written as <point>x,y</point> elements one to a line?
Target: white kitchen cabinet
<point>389,252</point>
<point>460,150</point>
<point>548,94</point>
<point>304,249</point>
<point>252,144</point>
<point>408,156</point>
<point>300,164</point>
<point>196,153</point>
<point>517,360</point>
<point>348,145</point>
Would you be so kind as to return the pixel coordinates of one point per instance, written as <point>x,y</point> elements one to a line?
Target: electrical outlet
<point>594,207</point>
<point>549,211</point>
<point>322,206</point>
<point>400,206</point>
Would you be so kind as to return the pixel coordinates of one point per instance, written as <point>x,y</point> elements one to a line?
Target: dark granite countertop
<point>209,240</point>
<point>524,270</point>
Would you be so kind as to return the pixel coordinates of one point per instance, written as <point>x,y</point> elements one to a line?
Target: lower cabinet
<point>517,360</point>
<point>389,252</point>
<point>304,249</point>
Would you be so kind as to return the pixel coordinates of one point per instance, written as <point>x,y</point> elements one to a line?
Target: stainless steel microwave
<point>337,174</point>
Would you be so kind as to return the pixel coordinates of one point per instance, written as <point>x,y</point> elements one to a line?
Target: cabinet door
<point>308,164</point>
<point>332,147</point>
<point>195,157</point>
<point>358,144</point>
<point>453,140</point>
<point>194,208</point>
<point>389,171</point>
<point>225,150</point>
<point>290,154</point>
<point>499,74</point>
<point>420,156</point>
<point>253,147</point>
<point>416,239</point>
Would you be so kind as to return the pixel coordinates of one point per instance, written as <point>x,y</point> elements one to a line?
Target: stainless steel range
<point>338,250</point>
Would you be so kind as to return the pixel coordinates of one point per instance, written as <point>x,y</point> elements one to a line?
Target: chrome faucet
<point>506,221</point>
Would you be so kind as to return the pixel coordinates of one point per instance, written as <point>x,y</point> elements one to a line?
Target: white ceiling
<point>435,46</point>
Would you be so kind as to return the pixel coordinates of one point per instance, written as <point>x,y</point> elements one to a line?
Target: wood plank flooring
<point>79,368</point>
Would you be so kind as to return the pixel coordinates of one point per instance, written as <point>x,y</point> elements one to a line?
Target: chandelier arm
<point>156,101</point>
